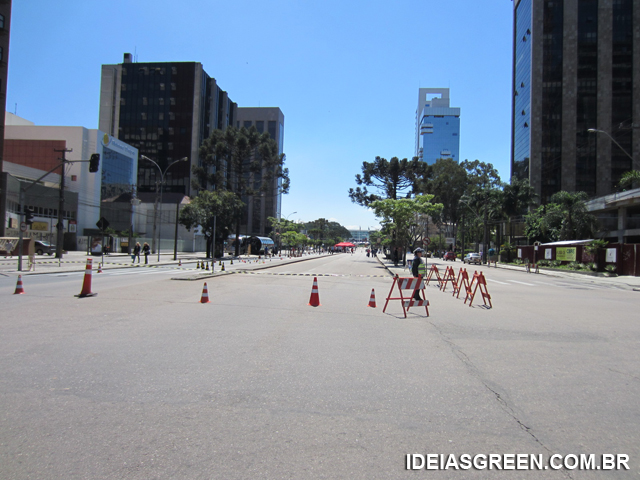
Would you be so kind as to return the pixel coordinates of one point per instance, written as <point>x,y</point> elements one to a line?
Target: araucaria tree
<point>391,179</point>
<point>244,162</point>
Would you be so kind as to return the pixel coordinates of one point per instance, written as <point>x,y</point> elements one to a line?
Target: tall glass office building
<point>437,126</point>
<point>576,67</point>
<point>165,110</point>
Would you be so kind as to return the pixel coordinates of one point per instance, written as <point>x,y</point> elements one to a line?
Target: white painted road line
<point>523,283</point>
<point>491,280</point>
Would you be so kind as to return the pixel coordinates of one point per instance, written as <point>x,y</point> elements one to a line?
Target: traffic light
<point>94,163</point>
<point>28,216</point>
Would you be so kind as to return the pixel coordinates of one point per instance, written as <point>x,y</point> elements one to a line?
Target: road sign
<point>426,241</point>
<point>102,224</point>
<point>23,227</point>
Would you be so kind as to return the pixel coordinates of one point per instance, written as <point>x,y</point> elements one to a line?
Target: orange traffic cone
<point>205,294</point>
<point>86,284</point>
<point>372,300</point>
<point>99,268</point>
<point>19,288</point>
<point>179,263</point>
<point>314,301</point>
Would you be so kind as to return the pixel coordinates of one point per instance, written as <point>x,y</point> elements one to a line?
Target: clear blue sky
<point>344,73</point>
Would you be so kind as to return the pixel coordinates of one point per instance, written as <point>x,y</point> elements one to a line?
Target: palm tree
<point>516,198</point>
<point>575,222</point>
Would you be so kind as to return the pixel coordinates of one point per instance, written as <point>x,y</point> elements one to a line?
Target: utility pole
<point>60,225</point>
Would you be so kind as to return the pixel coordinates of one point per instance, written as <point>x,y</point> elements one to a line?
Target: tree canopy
<point>391,179</point>
<point>222,206</point>
<point>565,217</point>
<point>241,161</point>
<point>399,216</point>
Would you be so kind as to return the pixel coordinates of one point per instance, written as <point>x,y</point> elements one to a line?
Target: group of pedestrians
<point>146,250</point>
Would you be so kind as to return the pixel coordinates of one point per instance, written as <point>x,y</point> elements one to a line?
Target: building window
<point>74,178</point>
<point>1,21</point>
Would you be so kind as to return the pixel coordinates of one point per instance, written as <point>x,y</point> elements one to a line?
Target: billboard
<point>566,254</point>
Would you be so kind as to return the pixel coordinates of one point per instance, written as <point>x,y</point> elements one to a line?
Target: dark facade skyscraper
<point>5,23</point>
<point>165,110</point>
<point>576,67</point>
<point>259,208</point>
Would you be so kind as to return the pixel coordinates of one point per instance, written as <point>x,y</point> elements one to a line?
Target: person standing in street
<point>418,269</point>
<point>146,250</point>
<point>136,253</point>
<point>8,249</point>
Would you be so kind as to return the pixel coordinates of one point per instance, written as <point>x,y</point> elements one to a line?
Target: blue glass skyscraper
<point>437,126</point>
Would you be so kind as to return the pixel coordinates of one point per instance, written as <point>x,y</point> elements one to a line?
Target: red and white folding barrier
<point>415,284</point>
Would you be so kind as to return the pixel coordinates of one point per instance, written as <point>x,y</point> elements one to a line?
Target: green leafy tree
<point>630,179</point>
<point>448,183</point>
<point>280,227</point>
<point>391,179</point>
<point>398,216</point>
<point>482,199</point>
<point>565,217</point>
<point>241,161</point>
<point>517,197</point>
<point>207,208</point>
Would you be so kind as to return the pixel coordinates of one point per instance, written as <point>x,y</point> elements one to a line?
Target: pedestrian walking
<point>418,269</point>
<point>146,250</point>
<point>136,253</point>
<point>8,246</point>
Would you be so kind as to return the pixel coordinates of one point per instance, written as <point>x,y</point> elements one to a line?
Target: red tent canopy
<point>344,244</point>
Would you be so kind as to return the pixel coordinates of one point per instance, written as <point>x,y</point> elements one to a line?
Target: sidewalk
<point>77,262</point>
<point>625,282</point>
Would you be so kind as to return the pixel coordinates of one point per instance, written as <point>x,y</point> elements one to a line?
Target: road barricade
<point>462,281</point>
<point>480,283</point>
<point>449,276</point>
<point>415,284</point>
<point>435,274</point>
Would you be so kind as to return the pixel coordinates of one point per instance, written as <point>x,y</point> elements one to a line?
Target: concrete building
<point>437,126</point>
<point>165,110</point>
<point>32,151</point>
<point>619,215</point>
<point>259,208</point>
<point>576,67</point>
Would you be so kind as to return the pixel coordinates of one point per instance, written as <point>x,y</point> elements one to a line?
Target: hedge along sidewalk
<point>621,281</point>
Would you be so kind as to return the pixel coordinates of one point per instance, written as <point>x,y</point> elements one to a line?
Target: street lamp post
<point>279,237</point>
<point>597,130</point>
<point>155,213</point>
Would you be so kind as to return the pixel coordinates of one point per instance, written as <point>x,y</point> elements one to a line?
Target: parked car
<point>43,247</point>
<point>449,256</point>
<point>472,258</point>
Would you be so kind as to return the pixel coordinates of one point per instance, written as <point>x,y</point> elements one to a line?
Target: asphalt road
<point>143,381</point>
